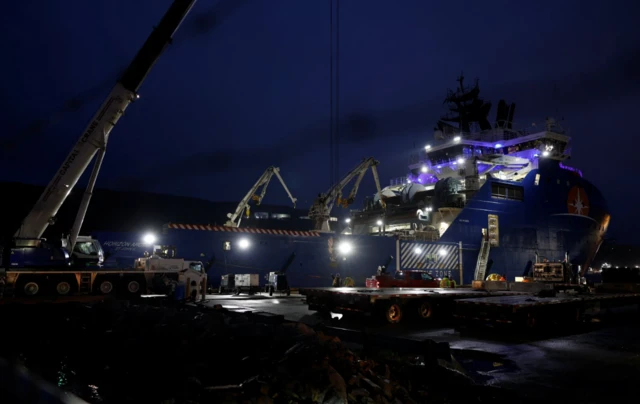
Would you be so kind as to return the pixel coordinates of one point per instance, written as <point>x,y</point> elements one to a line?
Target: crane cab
<point>86,252</point>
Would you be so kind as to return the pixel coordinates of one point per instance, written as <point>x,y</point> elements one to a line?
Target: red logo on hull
<point>578,201</point>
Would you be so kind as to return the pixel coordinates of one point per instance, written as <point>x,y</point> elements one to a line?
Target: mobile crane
<point>92,142</point>
<point>263,182</point>
<point>320,211</point>
<point>31,252</point>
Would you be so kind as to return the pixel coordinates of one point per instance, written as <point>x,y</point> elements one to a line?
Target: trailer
<point>516,303</point>
<point>392,304</point>
<point>562,305</point>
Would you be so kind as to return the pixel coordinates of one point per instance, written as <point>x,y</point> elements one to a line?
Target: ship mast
<point>465,109</point>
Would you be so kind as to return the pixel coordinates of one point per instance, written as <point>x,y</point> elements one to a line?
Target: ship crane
<point>263,182</point>
<point>93,141</point>
<point>320,212</point>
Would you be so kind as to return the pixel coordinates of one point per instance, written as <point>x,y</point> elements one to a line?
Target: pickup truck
<point>403,279</point>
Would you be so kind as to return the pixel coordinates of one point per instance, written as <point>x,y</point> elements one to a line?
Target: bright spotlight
<point>545,153</point>
<point>149,239</point>
<point>417,250</point>
<point>347,220</point>
<point>427,147</point>
<point>379,222</point>
<point>460,160</point>
<point>424,169</point>
<point>442,252</point>
<point>344,247</point>
<point>243,244</point>
<point>456,139</point>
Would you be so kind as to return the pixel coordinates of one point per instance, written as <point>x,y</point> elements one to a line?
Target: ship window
<point>507,191</point>
<point>280,216</point>
<point>537,180</point>
<point>261,215</point>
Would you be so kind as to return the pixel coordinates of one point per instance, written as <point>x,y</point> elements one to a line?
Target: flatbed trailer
<point>531,311</point>
<point>73,282</point>
<point>393,304</point>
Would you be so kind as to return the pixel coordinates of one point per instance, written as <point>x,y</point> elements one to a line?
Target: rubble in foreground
<point>159,352</point>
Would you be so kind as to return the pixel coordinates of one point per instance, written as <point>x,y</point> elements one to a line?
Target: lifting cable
<point>334,94</point>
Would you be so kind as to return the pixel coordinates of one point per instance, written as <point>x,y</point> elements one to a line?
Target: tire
<point>425,310</point>
<point>105,287</point>
<point>63,288</point>
<point>31,288</point>
<point>393,313</point>
<point>133,287</point>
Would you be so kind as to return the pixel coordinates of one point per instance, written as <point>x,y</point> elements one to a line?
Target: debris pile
<point>161,353</point>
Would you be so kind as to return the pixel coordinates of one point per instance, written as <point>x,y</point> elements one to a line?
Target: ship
<point>479,198</point>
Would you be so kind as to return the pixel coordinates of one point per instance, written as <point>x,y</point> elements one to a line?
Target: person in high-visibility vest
<point>445,283</point>
<point>336,281</point>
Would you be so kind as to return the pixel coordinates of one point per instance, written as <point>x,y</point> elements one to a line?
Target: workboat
<point>478,198</point>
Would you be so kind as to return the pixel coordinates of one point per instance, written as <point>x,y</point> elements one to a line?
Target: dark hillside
<point>127,211</point>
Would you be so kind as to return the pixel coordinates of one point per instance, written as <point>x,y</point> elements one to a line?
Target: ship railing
<point>418,235</point>
<point>398,181</point>
<point>503,131</point>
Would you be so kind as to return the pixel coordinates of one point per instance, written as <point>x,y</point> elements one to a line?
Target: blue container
<point>180,291</point>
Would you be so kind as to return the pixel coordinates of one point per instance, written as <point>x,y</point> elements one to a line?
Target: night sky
<point>246,85</point>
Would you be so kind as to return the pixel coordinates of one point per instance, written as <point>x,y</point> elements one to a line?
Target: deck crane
<point>263,182</point>
<point>320,212</point>
<point>94,139</point>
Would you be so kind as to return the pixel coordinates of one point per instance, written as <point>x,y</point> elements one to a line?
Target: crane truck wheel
<point>63,288</point>
<point>133,287</point>
<point>31,288</point>
<point>106,287</point>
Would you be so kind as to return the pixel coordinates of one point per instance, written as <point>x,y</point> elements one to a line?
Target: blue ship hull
<point>547,222</point>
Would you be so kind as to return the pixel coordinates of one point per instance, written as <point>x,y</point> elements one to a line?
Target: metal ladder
<point>85,283</point>
<point>483,258</point>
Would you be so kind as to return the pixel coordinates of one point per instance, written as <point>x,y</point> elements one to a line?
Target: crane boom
<point>263,182</point>
<point>96,135</point>
<point>320,211</point>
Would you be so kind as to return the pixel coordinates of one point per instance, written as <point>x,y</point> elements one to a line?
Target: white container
<point>247,280</point>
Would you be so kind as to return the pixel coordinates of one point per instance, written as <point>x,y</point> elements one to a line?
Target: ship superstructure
<point>465,151</point>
